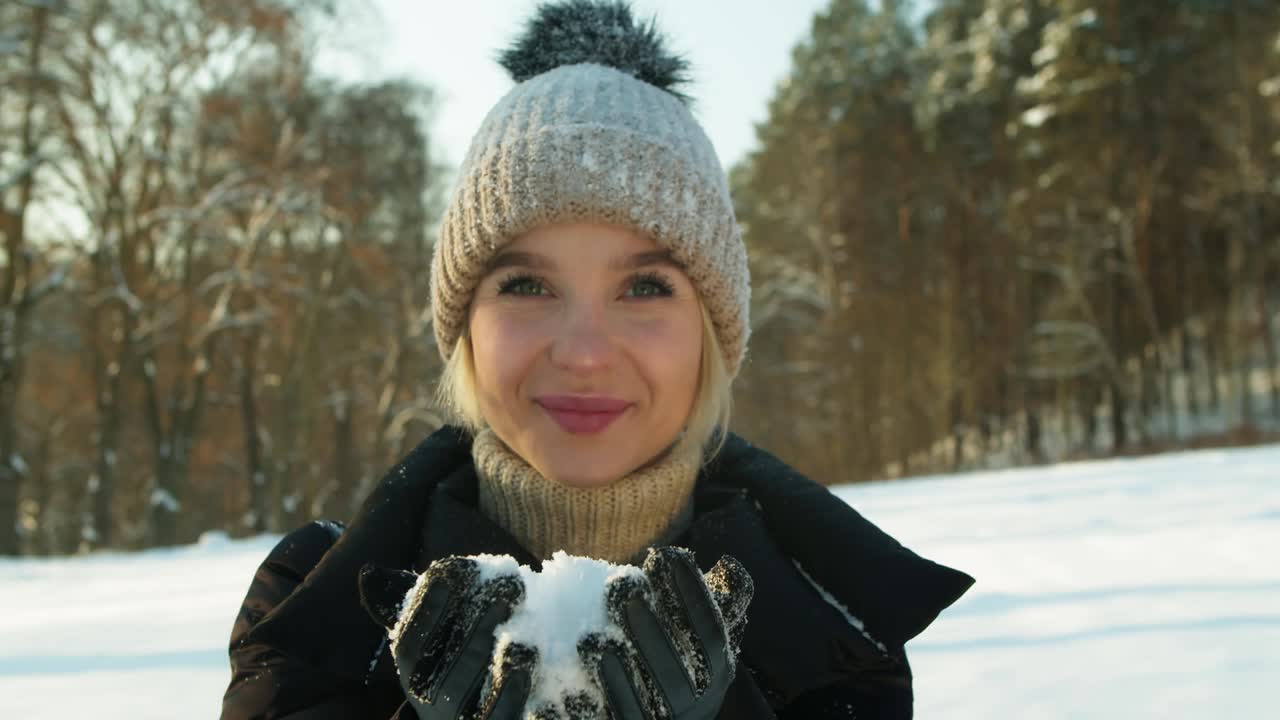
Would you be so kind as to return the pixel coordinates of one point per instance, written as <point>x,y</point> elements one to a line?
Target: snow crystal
<point>213,539</point>
<point>562,604</point>
<point>373,664</point>
<point>1088,18</point>
<point>1044,55</point>
<point>1038,115</point>
<point>161,497</point>
<point>833,602</point>
<point>618,178</point>
<point>492,567</point>
<point>408,606</point>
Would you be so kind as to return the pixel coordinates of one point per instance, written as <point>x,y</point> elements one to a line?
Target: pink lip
<point>582,415</point>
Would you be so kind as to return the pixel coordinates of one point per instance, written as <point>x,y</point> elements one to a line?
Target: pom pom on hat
<point>570,32</point>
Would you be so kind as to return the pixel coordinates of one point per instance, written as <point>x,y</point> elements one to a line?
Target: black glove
<point>683,629</point>
<point>442,639</point>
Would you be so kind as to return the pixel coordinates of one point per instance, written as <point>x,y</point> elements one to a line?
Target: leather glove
<point>683,631</point>
<point>441,628</point>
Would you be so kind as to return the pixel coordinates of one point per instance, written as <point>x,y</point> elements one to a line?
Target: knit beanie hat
<point>594,131</point>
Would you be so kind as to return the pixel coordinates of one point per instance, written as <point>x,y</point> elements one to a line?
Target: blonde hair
<point>705,430</point>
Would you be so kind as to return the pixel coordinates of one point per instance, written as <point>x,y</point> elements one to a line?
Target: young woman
<point>590,296</point>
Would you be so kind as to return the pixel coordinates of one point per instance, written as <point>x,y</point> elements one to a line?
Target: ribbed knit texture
<point>617,523</point>
<point>588,143</point>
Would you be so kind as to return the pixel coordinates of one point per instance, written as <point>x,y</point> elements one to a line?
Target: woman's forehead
<point>613,247</point>
<point>570,234</point>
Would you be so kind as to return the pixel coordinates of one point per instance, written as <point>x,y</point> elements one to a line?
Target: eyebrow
<point>514,258</point>
<point>644,259</point>
<point>519,258</point>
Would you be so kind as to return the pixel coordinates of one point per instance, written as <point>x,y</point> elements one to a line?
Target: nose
<point>582,341</point>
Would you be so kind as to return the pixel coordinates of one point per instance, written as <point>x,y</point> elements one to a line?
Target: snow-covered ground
<point>1127,589</point>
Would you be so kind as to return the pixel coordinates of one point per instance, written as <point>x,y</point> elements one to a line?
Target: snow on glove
<point>682,630</point>
<point>441,627</point>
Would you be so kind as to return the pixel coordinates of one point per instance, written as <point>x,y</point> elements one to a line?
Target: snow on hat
<point>594,131</point>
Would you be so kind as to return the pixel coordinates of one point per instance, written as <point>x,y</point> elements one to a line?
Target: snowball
<point>562,604</point>
<point>561,621</point>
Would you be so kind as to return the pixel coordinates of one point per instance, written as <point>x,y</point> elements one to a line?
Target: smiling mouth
<point>583,416</point>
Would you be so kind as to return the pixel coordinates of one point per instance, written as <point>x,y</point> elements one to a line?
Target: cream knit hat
<point>593,132</point>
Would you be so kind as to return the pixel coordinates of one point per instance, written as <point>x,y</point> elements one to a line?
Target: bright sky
<point>739,50</point>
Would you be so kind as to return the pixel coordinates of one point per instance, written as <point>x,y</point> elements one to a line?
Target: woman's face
<point>587,341</point>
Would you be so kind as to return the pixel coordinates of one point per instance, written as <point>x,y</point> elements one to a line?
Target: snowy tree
<point>29,37</point>
<point>987,234</point>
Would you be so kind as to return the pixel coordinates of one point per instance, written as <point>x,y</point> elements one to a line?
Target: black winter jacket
<point>303,648</point>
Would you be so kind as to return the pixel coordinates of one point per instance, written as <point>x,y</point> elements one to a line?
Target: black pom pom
<point>604,32</point>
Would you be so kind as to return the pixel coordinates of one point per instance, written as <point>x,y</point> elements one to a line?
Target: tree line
<point>1017,231</point>
<point>1026,230</point>
<point>215,273</point>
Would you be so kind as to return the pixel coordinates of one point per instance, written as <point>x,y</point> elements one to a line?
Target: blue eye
<point>521,285</point>
<point>651,285</point>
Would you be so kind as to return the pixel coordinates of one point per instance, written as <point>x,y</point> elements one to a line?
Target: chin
<point>572,474</point>
<point>582,461</point>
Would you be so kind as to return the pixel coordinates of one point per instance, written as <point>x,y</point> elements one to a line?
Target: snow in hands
<point>562,605</point>
<point>562,621</point>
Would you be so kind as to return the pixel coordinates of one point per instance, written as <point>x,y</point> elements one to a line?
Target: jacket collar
<point>454,525</point>
<point>794,641</point>
<point>894,592</point>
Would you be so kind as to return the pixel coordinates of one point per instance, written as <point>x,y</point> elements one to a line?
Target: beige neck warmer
<point>615,523</point>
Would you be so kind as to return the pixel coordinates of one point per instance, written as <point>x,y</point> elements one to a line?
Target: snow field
<point>1115,589</point>
<point>1145,588</point>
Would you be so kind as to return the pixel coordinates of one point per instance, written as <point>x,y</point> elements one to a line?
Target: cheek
<point>502,345</point>
<point>670,349</point>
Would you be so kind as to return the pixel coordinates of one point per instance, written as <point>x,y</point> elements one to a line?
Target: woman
<point>590,295</point>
